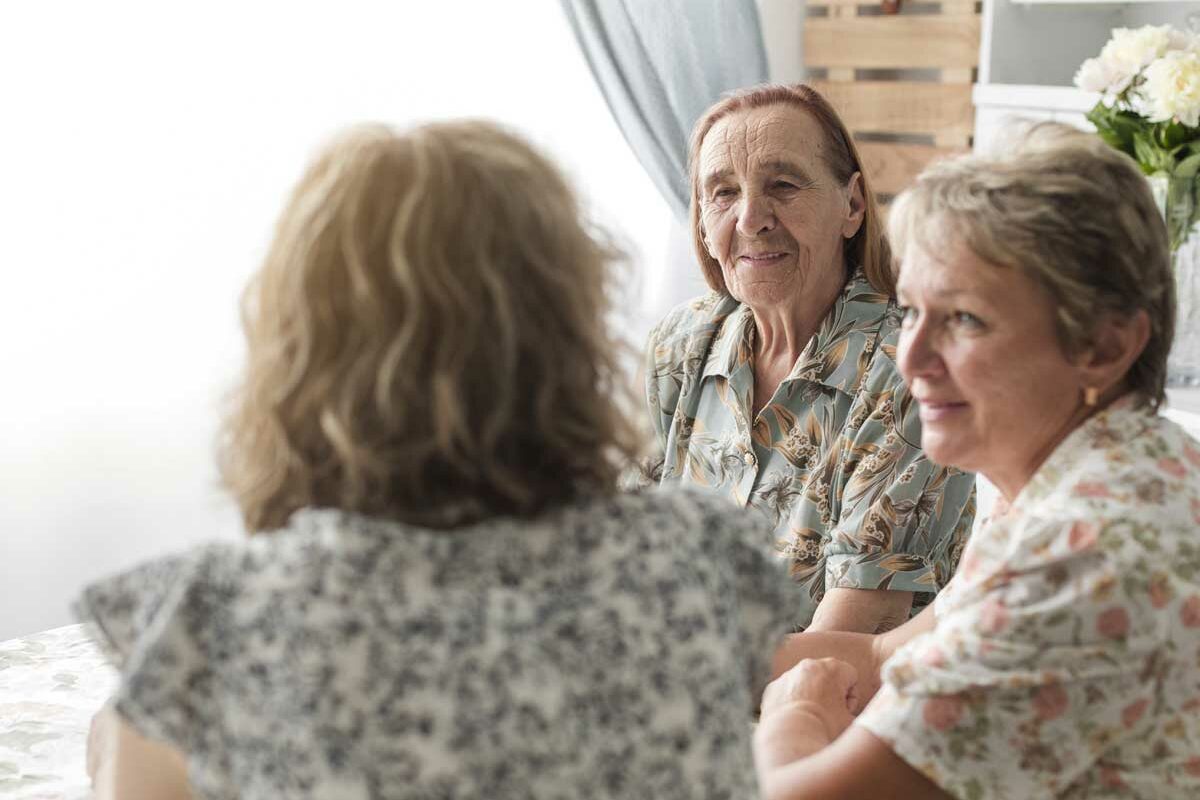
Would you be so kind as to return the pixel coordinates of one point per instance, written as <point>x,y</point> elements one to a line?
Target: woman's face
<point>772,214</point>
<point>979,352</point>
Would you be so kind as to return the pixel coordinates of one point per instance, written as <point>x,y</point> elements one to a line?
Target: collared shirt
<point>833,460</point>
<point>1065,661</point>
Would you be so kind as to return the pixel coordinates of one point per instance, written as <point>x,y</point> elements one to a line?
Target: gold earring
<point>1091,395</point>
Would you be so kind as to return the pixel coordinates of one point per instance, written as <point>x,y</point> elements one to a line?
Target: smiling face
<point>771,212</point>
<point>979,352</point>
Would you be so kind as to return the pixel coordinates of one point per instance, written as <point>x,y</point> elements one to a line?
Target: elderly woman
<point>445,595</point>
<point>779,390</point>
<point>1061,661</point>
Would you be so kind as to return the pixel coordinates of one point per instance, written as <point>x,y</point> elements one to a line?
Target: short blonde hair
<point>868,248</point>
<point>1070,212</point>
<point>427,338</point>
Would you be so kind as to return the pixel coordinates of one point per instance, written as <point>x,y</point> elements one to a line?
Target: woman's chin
<point>944,449</point>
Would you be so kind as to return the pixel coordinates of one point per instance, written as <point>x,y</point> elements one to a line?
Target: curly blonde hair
<point>1071,213</point>
<point>868,248</point>
<point>427,338</point>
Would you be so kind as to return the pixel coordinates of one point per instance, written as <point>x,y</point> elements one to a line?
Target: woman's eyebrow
<point>781,165</point>
<point>713,178</point>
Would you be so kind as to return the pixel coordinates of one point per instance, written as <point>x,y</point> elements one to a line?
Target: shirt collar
<point>839,352</point>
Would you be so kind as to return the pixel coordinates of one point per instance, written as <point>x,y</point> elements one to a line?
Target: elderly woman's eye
<point>908,315</point>
<point>967,319</point>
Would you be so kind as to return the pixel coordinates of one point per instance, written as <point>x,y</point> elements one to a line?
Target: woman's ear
<point>708,245</point>
<point>1117,341</point>
<point>857,208</point>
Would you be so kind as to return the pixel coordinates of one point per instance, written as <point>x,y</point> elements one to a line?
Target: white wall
<point>145,151</point>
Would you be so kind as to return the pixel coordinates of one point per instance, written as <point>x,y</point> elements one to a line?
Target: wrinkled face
<point>772,214</point>
<point>979,352</point>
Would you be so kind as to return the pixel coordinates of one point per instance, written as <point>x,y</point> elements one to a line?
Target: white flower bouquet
<point>1149,84</point>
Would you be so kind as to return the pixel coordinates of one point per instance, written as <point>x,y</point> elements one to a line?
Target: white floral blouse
<point>1065,662</point>
<point>612,647</point>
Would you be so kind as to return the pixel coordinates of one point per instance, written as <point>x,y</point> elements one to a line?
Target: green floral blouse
<point>1065,662</point>
<point>833,460</point>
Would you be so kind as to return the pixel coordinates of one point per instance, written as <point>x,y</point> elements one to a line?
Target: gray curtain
<point>660,64</point>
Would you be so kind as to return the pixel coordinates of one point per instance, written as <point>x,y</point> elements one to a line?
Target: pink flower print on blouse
<point>1173,467</point>
<point>1160,589</point>
<point>993,617</point>
<point>1092,489</point>
<point>1113,623</point>
<point>1083,535</point>
<point>1050,702</point>
<point>1134,712</point>
<point>1189,613</point>
<point>943,712</point>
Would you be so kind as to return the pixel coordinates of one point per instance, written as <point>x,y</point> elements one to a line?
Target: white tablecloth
<point>51,683</point>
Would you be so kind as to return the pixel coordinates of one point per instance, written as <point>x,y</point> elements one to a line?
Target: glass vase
<point>1179,200</point>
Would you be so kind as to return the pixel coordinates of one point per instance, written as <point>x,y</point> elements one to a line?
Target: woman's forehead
<point>762,138</point>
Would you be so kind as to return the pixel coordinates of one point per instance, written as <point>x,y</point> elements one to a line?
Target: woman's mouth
<point>761,259</point>
<point>937,411</point>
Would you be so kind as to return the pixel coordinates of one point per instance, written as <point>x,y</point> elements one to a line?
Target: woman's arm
<point>805,747</point>
<point>124,764</point>
<point>862,610</point>
<point>856,765</point>
<point>863,651</point>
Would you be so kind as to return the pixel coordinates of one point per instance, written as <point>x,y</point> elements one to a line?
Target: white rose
<point>1130,50</point>
<point>1097,75</point>
<point>1172,88</point>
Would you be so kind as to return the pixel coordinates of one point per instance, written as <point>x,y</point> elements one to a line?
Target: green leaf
<point>1115,129</point>
<point>1171,135</point>
<point>1148,156</point>
<point>1188,168</point>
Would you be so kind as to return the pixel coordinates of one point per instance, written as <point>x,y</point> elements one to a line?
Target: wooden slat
<point>947,6</point>
<point>901,106</point>
<point>961,75</point>
<point>958,6</point>
<point>897,42</point>
<point>891,166</point>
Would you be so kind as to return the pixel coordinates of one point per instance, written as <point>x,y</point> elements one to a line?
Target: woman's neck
<point>1010,482</point>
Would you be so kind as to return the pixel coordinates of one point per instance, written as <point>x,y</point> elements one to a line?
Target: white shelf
<point>1086,2</point>
<point>1183,406</point>
<point>1058,98</point>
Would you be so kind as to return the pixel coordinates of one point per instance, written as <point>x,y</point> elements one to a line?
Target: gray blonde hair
<point>427,338</point>
<point>1070,212</point>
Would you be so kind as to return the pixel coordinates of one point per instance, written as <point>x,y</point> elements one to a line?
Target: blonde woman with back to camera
<point>443,595</point>
<point>1063,660</point>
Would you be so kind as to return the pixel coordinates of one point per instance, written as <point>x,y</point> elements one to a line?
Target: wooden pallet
<point>901,122</point>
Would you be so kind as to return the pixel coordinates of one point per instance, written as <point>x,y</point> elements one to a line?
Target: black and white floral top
<point>613,648</point>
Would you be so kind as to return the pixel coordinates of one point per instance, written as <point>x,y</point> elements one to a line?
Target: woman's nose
<point>916,355</point>
<point>756,215</point>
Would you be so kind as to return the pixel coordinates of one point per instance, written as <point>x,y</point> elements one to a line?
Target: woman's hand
<point>824,688</point>
<point>100,743</point>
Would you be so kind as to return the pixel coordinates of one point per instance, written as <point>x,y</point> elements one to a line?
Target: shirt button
<point>749,459</point>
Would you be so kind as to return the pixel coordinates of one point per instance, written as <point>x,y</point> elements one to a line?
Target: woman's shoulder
<point>1127,481</point>
<point>698,316</point>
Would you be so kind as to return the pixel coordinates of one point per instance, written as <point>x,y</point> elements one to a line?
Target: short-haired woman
<point>444,595</point>
<point>1062,659</point>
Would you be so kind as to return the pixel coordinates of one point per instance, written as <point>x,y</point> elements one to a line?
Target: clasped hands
<point>808,706</point>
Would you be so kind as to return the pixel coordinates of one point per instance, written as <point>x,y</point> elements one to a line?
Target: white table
<point>51,683</point>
